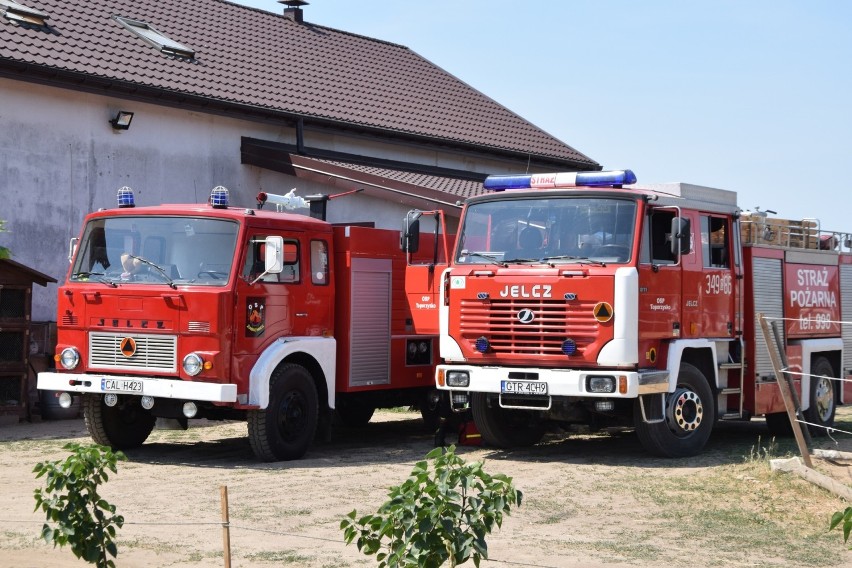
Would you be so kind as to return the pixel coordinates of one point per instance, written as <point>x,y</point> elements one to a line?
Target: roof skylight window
<point>157,38</point>
<point>24,14</point>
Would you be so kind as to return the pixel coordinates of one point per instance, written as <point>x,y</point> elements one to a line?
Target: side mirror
<point>409,241</point>
<point>681,241</point>
<point>72,248</point>
<point>274,257</point>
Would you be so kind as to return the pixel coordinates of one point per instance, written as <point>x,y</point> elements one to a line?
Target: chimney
<point>293,9</point>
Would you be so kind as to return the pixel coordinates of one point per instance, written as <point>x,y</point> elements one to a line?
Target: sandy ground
<point>596,501</point>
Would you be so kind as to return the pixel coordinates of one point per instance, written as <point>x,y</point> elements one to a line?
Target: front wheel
<point>689,414</point>
<point>286,427</point>
<point>823,404</point>
<point>121,427</point>
<point>505,427</point>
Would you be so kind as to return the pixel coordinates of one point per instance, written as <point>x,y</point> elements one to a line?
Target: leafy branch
<point>439,514</point>
<point>82,519</point>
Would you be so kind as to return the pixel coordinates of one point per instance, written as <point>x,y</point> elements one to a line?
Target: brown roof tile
<point>253,58</point>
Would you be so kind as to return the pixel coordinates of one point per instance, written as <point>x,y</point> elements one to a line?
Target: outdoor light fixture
<point>122,120</point>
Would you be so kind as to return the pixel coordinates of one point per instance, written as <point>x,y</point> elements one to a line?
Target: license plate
<point>121,385</point>
<point>523,387</point>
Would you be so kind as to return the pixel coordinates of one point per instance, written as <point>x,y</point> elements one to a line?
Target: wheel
<point>689,414</point>
<point>286,427</point>
<point>122,427</point>
<point>823,403</point>
<point>354,415</point>
<point>504,427</point>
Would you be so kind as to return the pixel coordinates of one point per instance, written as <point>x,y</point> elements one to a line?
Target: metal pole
<point>226,530</point>
<point>785,393</point>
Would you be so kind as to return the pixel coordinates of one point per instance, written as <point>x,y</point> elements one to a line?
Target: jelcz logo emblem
<point>526,316</point>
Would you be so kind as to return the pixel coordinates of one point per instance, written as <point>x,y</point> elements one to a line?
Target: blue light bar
<point>125,197</point>
<point>219,197</point>
<point>614,178</point>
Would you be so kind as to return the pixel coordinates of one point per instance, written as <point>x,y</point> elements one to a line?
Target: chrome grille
<point>555,320</point>
<point>156,353</point>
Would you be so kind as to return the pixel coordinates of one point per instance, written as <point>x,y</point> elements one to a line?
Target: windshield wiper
<point>98,276</point>
<point>158,268</point>
<point>578,259</point>
<point>489,257</point>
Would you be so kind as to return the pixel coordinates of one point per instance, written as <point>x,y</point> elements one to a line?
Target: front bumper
<point>157,388</point>
<point>560,382</point>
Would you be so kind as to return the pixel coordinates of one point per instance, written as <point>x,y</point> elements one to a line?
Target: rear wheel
<point>122,427</point>
<point>689,414</point>
<point>505,427</point>
<point>285,429</point>
<point>822,402</point>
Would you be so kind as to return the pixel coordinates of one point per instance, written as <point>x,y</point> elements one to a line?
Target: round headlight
<point>192,364</point>
<point>69,358</point>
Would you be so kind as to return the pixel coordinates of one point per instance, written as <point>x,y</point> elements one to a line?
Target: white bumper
<point>560,382</point>
<point>158,388</point>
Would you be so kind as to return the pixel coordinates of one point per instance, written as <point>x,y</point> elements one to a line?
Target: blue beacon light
<point>219,197</point>
<point>125,197</point>
<point>614,178</point>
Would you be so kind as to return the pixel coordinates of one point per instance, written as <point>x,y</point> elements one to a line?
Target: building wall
<point>60,159</point>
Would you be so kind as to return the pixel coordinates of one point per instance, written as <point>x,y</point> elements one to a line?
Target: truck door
<point>294,302</point>
<point>660,282</point>
<point>716,286</point>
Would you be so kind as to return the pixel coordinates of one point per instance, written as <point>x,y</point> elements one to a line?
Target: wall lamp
<point>122,120</point>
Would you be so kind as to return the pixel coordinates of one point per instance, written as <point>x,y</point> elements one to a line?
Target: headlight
<point>69,358</point>
<point>192,364</point>
<point>458,379</point>
<point>600,384</point>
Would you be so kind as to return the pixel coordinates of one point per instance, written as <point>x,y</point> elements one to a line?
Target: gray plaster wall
<point>60,159</point>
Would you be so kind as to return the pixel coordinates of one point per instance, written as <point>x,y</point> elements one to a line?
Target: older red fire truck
<point>573,298</point>
<point>217,312</point>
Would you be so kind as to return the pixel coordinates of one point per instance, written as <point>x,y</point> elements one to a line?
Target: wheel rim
<point>292,415</point>
<point>824,399</point>
<point>684,412</point>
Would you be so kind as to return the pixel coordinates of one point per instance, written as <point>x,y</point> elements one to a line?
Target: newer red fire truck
<point>218,312</point>
<point>583,299</point>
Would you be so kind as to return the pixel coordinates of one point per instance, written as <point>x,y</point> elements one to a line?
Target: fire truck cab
<point>584,299</point>
<point>220,312</point>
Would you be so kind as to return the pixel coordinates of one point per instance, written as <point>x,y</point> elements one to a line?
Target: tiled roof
<point>260,60</point>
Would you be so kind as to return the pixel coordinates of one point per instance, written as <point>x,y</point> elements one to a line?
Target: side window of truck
<point>319,262</point>
<point>255,261</point>
<point>714,242</point>
<point>657,238</point>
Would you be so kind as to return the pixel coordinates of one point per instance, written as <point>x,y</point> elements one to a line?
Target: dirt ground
<point>589,500</point>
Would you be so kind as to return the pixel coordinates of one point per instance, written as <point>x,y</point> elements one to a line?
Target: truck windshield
<point>156,250</point>
<point>554,230</point>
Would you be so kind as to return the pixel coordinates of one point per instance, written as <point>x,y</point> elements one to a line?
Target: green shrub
<point>82,518</point>
<point>439,514</point>
<point>846,518</point>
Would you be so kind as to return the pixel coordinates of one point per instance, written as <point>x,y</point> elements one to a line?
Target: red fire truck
<point>218,312</point>
<point>573,298</point>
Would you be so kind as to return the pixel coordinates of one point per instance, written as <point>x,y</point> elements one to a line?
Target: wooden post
<point>784,386</point>
<point>226,529</point>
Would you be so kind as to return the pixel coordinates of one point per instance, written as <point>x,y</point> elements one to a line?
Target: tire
<point>354,415</point>
<point>823,402</point>
<point>503,427</point>
<point>689,415</point>
<point>286,427</point>
<point>121,427</point>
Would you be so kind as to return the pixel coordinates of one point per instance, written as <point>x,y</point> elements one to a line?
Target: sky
<point>752,96</point>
